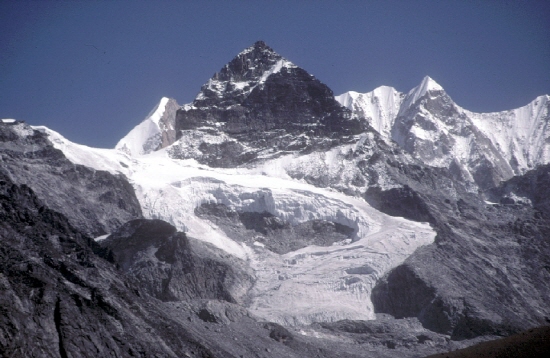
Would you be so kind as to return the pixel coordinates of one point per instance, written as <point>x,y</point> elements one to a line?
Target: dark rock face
<point>531,343</point>
<point>95,202</point>
<point>167,124</point>
<point>261,100</point>
<point>275,234</point>
<point>60,299</point>
<point>483,274</point>
<point>172,267</point>
<point>403,202</point>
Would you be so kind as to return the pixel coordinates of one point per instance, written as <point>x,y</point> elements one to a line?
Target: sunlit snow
<point>146,136</point>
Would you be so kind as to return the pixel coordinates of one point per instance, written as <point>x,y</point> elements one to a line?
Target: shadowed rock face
<point>531,343</point>
<point>483,275</point>
<point>60,297</point>
<point>172,267</point>
<point>264,103</point>
<point>95,202</point>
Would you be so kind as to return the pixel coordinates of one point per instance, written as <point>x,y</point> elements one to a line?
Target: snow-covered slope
<point>379,107</point>
<point>315,283</point>
<point>480,148</point>
<point>156,131</point>
<point>522,135</point>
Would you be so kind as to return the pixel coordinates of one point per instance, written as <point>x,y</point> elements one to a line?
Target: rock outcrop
<point>483,275</point>
<point>94,201</point>
<point>172,267</point>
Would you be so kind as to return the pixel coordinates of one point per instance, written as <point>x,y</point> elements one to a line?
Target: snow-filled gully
<point>311,284</point>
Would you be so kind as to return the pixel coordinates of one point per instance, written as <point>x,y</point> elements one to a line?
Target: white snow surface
<point>514,140</point>
<point>521,134</point>
<point>426,86</point>
<point>311,284</point>
<point>146,136</point>
<point>379,107</point>
<point>8,120</point>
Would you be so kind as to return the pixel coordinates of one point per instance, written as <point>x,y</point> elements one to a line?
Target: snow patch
<point>101,238</point>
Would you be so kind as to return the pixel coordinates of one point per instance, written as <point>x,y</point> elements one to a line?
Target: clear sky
<point>92,70</point>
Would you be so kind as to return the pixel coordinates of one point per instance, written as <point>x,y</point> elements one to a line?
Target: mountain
<point>270,218</point>
<point>478,148</point>
<point>260,105</point>
<point>94,201</point>
<point>380,106</point>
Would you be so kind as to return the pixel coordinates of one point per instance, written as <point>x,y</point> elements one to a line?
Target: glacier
<point>312,284</point>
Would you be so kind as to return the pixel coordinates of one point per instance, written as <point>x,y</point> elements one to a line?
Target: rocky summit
<point>270,218</point>
<point>261,105</point>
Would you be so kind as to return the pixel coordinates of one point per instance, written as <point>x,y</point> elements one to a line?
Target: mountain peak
<point>257,46</point>
<point>236,80</point>
<point>428,85</point>
<point>249,63</point>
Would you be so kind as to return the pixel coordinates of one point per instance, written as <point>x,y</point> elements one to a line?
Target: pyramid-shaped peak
<point>249,69</point>
<point>428,84</point>
<point>258,46</point>
<point>250,63</point>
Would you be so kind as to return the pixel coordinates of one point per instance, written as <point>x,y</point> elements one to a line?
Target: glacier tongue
<point>310,284</point>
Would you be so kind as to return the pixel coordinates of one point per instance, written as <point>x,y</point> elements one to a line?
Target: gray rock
<point>171,267</point>
<point>96,202</point>
<point>290,110</point>
<point>275,234</point>
<point>482,276</point>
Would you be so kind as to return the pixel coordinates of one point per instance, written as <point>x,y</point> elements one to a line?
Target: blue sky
<point>92,70</point>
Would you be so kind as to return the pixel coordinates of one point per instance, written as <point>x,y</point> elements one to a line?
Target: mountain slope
<point>95,201</point>
<point>155,132</point>
<point>379,107</point>
<point>60,299</point>
<point>521,134</point>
